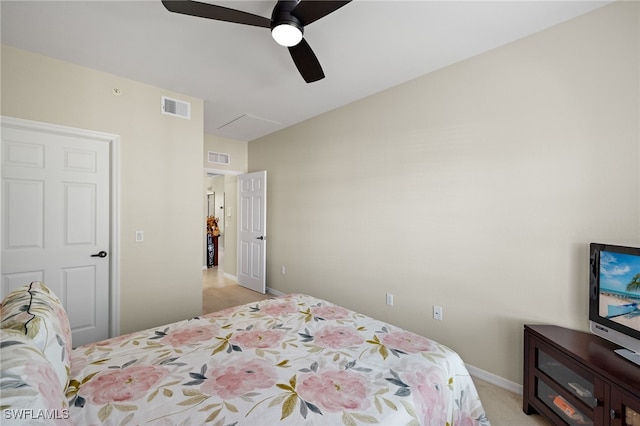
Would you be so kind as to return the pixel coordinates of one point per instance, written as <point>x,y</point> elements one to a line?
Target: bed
<point>293,359</point>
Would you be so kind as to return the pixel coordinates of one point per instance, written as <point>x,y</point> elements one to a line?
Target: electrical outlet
<point>437,313</point>
<point>389,299</point>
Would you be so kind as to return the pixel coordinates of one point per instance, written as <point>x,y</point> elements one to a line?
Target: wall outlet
<point>389,299</point>
<point>437,313</point>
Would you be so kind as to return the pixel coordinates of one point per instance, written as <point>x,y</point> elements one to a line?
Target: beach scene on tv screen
<point>620,288</point>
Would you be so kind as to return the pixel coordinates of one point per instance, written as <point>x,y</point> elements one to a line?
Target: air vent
<point>219,158</point>
<point>176,108</point>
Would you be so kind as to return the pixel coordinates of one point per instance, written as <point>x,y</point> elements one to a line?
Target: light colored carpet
<point>220,292</point>
<point>503,407</point>
<point>217,299</point>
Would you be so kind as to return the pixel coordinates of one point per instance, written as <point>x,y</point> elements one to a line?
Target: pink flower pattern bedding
<point>289,360</point>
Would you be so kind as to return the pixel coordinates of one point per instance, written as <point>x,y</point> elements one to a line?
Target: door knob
<point>100,254</point>
<point>261,237</point>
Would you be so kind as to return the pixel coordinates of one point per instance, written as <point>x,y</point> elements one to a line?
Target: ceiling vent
<point>219,158</point>
<point>176,108</point>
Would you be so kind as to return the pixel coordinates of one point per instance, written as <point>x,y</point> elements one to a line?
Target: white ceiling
<point>249,84</point>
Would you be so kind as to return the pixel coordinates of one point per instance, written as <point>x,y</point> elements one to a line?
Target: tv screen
<point>614,307</point>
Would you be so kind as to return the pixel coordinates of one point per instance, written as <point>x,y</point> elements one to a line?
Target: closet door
<point>56,221</point>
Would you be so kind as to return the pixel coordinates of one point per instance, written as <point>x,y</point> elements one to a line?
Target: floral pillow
<point>29,387</point>
<point>34,311</point>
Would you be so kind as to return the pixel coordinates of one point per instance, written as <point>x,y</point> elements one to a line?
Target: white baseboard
<point>231,277</point>
<point>494,379</point>
<point>275,292</point>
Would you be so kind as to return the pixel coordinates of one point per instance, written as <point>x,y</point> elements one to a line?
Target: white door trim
<point>208,170</point>
<point>114,239</point>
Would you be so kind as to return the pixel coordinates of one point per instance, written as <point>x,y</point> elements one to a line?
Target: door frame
<point>114,188</point>
<point>207,172</point>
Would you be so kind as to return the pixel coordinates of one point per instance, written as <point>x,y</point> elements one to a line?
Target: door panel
<point>80,290</point>
<point>252,188</point>
<point>80,214</point>
<point>55,215</point>
<point>23,213</point>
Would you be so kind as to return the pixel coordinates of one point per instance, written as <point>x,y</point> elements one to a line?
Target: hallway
<point>219,292</point>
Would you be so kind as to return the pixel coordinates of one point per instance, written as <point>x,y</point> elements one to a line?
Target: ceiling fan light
<point>286,34</point>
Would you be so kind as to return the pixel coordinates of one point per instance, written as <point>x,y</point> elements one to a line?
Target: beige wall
<point>161,175</point>
<point>238,151</point>
<point>476,188</point>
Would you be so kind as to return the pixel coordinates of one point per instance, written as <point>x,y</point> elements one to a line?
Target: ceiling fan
<point>287,23</point>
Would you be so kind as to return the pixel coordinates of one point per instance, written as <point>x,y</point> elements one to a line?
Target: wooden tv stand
<point>574,378</point>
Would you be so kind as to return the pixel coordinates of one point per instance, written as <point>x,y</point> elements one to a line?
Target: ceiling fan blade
<point>219,13</point>
<point>306,62</point>
<point>311,10</point>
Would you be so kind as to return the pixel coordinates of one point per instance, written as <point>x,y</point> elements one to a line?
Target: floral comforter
<point>289,360</point>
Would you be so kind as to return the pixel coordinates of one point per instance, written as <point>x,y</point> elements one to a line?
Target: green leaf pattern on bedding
<point>290,360</point>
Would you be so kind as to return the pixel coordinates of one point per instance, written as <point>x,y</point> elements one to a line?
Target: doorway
<point>220,187</point>
<point>215,231</point>
<point>220,288</point>
<point>228,240</point>
<point>216,220</point>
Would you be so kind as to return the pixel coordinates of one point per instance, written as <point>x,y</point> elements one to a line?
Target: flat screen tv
<point>614,297</point>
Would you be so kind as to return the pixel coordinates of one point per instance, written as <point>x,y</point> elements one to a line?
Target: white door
<point>55,222</point>
<point>252,232</point>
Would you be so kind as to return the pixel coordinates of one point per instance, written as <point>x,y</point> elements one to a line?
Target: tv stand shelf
<point>575,378</point>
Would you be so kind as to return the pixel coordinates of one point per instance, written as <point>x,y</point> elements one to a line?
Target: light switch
<point>139,236</point>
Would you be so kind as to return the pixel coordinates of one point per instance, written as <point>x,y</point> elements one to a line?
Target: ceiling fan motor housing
<point>282,15</point>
